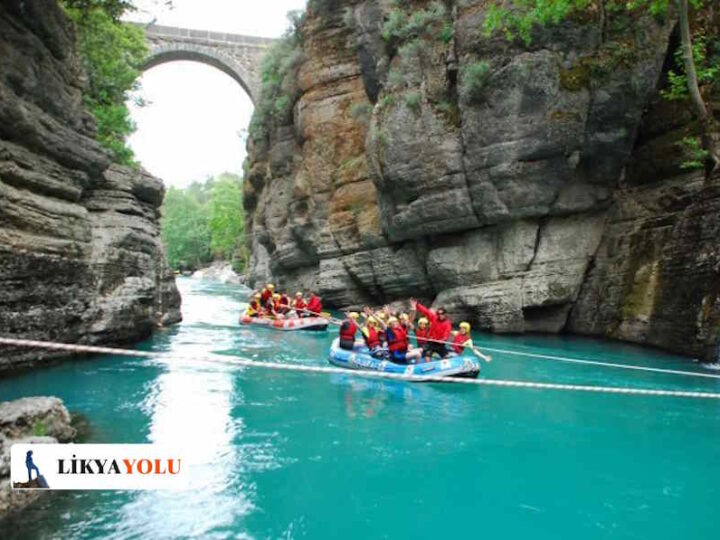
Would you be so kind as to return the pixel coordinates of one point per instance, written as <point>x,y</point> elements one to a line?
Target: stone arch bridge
<point>238,56</point>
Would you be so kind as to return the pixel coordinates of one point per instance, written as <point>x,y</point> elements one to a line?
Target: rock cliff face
<point>80,254</point>
<point>528,188</point>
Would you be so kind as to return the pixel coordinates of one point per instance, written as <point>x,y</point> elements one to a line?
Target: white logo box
<point>100,466</point>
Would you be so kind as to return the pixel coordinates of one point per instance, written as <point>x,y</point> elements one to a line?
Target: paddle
<point>323,314</point>
<point>474,349</point>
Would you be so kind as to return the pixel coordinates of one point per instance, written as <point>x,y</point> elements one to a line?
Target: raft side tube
<point>317,324</point>
<point>360,359</point>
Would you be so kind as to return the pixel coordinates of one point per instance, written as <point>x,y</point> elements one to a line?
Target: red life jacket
<point>397,339</point>
<point>255,306</point>
<point>457,341</point>
<point>421,334</point>
<point>371,338</point>
<point>284,300</point>
<point>265,296</point>
<point>315,305</point>
<point>300,304</point>
<point>347,330</point>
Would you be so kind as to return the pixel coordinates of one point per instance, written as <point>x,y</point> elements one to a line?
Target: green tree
<point>227,220</point>
<point>112,53</point>
<point>185,230</point>
<point>205,221</point>
<point>114,8</point>
<point>517,17</point>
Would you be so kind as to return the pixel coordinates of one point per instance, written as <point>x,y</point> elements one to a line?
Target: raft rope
<point>236,360</point>
<point>567,359</point>
<point>603,364</point>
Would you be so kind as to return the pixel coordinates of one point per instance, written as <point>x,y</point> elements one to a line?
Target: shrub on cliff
<point>277,75</point>
<point>400,26</point>
<point>112,53</point>
<point>520,17</point>
<point>474,77</point>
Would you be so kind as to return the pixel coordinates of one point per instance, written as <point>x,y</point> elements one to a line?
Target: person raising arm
<point>440,328</point>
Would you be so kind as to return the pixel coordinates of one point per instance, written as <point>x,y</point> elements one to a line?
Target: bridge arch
<point>236,55</point>
<point>205,55</point>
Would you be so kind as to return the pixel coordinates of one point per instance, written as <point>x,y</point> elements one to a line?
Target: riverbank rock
<point>32,420</point>
<point>222,272</point>
<point>80,252</point>
<point>528,187</point>
<point>46,416</point>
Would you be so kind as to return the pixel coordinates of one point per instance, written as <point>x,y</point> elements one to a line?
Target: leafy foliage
<point>184,227</point>
<point>474,77</point>
<point>399,26</point>
<point>361,111</point>
<point>412,100</point>
<point>707,67</point>
<point>112,53</point>
<point>277,74</point>
<point>39,428</point>
<point>113,8</point>
<point>695,154</point>
<point>447,33</point>
<point>517,17</point>
<point>204,221</point>
<point>227,220</point>
<point>521,15</point>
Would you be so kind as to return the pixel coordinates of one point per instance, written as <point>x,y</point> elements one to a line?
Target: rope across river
<point>244,362</point>
<point>581,361</point>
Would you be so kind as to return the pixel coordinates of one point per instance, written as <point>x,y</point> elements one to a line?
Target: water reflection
<point>368,398</point>
<point>189,408</point>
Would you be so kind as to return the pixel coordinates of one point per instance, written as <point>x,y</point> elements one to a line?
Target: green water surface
<point>296,455</point>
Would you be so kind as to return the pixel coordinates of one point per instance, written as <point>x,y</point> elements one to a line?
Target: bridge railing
<point>156,30</point>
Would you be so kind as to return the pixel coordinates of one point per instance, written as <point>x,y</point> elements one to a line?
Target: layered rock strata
<point>518,185</point>
<point>80,254</point>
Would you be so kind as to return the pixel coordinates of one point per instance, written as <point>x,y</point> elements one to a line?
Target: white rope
<point>604,364</point>
<point>235,360</point>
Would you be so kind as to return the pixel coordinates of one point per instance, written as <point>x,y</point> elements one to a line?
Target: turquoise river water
<point>299,455</point>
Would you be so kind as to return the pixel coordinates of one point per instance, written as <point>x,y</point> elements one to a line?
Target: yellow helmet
<point>270,286</point>
<point>276,296</point>
<point>299,293</point>
<point>381,315</point>
<point>423,321</point>
<point>465,326</point>
<point>392,320</point>
<point>257,296</point>
<point>353,315</point>
<point>404,317</point>
<point>372,321</point>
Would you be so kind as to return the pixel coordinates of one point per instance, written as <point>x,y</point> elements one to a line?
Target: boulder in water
<point>31,420</point>
<point>220,271</point>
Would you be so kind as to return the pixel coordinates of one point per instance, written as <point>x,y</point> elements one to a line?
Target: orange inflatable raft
<point>306,323</point>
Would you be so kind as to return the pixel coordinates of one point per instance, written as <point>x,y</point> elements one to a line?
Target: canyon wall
<point>80,254</point>
<point>528,188</point>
